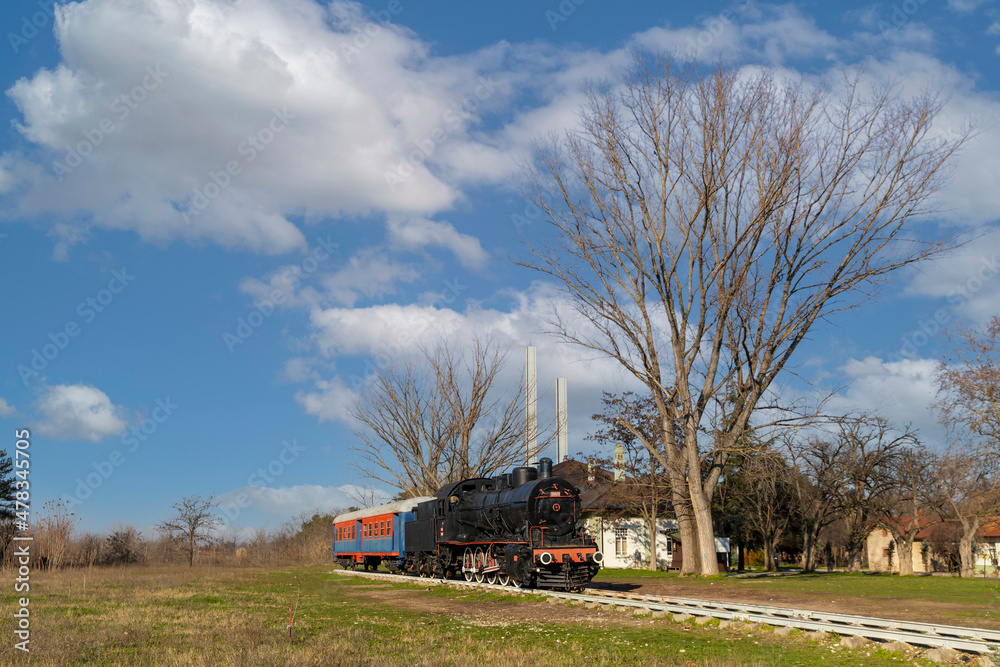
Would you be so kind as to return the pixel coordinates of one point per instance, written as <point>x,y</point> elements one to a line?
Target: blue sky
<point>169,164</point>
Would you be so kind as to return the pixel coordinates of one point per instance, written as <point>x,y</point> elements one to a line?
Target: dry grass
<point>175,615</point>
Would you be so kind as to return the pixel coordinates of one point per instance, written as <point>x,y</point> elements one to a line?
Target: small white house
<point>625,542</point>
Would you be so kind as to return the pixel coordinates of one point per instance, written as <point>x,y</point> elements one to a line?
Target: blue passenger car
<point>374,535</point>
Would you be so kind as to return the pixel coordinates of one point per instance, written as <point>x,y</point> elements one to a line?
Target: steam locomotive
<point>519,528</point>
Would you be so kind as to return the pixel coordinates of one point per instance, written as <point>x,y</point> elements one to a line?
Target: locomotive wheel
<point>491,561</point>
<point>503,578</point>
<point>468,563</point>
<point>480,564</point>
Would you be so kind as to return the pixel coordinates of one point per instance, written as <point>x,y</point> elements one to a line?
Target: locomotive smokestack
<point>562,422</point>
<point>545,468</point>
<point>531,407</point>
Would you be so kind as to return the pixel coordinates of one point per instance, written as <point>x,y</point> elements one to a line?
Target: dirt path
<point>491,613</point>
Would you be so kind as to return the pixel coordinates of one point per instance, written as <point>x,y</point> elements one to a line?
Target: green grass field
<point>238,616</point>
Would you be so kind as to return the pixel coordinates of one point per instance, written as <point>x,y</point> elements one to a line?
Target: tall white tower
<point>531,407</point>
<point>562,422</point>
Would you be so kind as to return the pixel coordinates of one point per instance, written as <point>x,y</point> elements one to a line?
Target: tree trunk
<point>807,549</point>
<point>652,539</point>
<point>769,555</point>
<point>967,563</point>
<point>904,552</point>
<point>705,537</point>
<point>691,563</point>
<point>702,510</point>
<point>854,553</point>
<point>965,556</point>
<point>741,562</point>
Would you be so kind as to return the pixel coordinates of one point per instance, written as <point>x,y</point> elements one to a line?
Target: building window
<point>621,542</point>
<point>670,547</point>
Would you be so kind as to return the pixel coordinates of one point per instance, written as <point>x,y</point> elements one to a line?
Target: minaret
<point>619,462</point>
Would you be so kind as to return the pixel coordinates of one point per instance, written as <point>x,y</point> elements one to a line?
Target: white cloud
<point>296,369</point>
<point>353,118</point>
<point>391,334</point>
<point>6,409</point>
<point>332,401</point>
<point>370,273</point>
<point>965,6</point>
<point>329,124</point>
<point>78,412</point>
<point>968,278</point>
<point>418,233</point>
<point>902,391</point>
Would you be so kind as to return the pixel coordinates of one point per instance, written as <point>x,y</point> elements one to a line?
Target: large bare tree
<point>443,418</point>
<point>703,222</point>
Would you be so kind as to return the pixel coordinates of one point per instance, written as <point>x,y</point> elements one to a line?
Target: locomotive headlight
<point>598,557</point>
<point>545,558</point>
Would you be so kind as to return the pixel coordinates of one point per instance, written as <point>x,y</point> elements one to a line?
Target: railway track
<point>931,635</point>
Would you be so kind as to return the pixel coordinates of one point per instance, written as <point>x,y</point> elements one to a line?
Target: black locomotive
<point>520,528</point>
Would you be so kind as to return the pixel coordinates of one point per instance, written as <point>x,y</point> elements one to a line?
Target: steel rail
<point>978,634</point>
<point>971,640</point>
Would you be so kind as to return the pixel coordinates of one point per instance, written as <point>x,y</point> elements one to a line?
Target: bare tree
<point>970,486</point>
<point>193,520</point>
<point>914,503</point>
<point>860,462</point>
<point>767,504</point>
<point>810,482</point>
<point>420,425</point>
<point>646,486</point>
<point>969,406</point>
<point>969,386</point>
<point>704,222</point>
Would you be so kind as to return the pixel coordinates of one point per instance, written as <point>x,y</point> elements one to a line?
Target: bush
<point>123,547</point>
